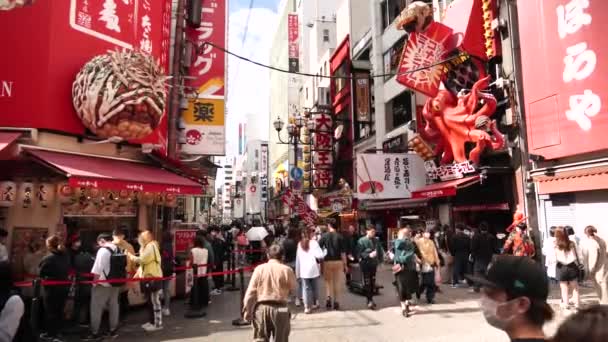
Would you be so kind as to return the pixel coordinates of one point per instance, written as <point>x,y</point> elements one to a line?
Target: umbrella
<point>256,234</point>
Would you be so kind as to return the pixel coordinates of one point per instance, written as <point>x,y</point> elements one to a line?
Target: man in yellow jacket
<point>149,267</point>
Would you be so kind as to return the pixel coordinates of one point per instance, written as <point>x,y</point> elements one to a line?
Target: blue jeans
<point>310,288</point>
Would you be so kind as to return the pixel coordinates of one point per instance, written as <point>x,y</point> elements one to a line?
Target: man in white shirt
<point>595,258</point>
<point>103,294</point>
<point>3,250</point>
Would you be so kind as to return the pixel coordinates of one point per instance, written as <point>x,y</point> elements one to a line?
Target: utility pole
<point>377,69</point>
<point>176,82</point>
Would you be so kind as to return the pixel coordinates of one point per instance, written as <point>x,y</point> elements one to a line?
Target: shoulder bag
<point>151,285</point>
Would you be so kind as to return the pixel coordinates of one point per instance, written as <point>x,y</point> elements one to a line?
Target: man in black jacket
<point>220,248</point>
<point>460,248</point>
<point>483,248</point>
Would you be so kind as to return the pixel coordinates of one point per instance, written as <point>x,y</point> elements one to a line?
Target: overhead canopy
<point>584,179</point>
<point>7,138</point>
<point>113,174</point>
<point>445,189</point>
<point>405,203</point>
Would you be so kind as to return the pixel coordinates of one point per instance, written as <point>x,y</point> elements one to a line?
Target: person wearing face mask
<point>514,297</point>
<point>429,265</point>
<point>372,254</point>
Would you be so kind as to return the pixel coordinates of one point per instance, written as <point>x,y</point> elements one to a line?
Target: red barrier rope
<point>248,250</point>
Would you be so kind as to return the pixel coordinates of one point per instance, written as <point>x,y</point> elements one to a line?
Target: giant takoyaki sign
<point>120,94</point>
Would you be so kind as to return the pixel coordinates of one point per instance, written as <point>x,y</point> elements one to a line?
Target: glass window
<point>340,82</point>
<point>402,109</point>
<point>326,35</point>
<point>392,58</point>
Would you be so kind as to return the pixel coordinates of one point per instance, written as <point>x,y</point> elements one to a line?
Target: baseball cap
<point>518,276</point>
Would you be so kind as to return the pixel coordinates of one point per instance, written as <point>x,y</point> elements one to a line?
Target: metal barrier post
<point>195,310</point>
<point>241,321</point>
<point>232,267</point>
<point>35,310</point>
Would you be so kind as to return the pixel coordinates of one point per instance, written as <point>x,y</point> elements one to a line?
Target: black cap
<point>518,276</point>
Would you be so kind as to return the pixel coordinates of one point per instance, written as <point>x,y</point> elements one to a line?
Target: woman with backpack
<point>54,267</point>
<point>11,305</point>
<point>149,261</point>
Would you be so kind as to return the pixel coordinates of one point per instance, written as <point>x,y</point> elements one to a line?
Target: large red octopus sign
<point>452,121</point>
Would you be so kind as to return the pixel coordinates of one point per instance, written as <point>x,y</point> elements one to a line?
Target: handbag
<point>148,286</point>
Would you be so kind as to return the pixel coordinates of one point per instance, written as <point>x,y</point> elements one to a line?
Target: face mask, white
<point>490,308</point>
<point>427,235</point>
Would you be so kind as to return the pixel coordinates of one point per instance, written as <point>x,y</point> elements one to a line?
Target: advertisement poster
<point>204,119</point>
<point>386,176</point>
<point>22,239</point>
<point>40,62</point>
<point>184,239</point>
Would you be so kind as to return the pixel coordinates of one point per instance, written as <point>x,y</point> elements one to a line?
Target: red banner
<point>564,70</point>
<point>184,239</point>
<point>297,203</point>
<point>39,67</point>
<point>208,66</point>
<point>423,50</point>
<point>293,35</point>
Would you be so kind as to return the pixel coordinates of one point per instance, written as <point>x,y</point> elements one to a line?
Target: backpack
<point>118,266</point>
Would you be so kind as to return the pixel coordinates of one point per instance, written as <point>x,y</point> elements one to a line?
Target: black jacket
<point>220,248</point>
<point>460,245</point>
<point>483,246</point>
<point>55,266</point>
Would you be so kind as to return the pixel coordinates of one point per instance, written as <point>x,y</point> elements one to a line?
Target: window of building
<point>365,129</point>
<point>326,35</point>
<point>400,109</point>
<point>392,57</point>
<point>307,93</point>
<point>340,81</point>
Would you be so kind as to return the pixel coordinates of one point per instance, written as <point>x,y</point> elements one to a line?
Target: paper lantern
<point>110,196</point>
<point>159,199</point>
<point>65,193</point>
<point>8,190</point>
<point>94,195</point>
<point>26,193</point>
<point>170,200</point>
<point>44,194</point>
<point>147,198</point>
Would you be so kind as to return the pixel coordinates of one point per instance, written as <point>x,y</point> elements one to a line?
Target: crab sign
<point>453,121</point>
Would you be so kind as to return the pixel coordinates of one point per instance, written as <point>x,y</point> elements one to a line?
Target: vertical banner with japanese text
<point>293,88</point>
<point>204,119</point>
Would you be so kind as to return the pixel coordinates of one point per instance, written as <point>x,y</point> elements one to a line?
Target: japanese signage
<point>564,75</point>
<point>422,50</point>
<point>184,240</point>
<point>43,68</point>
<point>362,96</point>
<point>293,39</point>
<point>448,172</point>
<point>396,144</point>
<point>322,151</point>
<point>297,204</point>
<point>385,176</point>
<point>238,208</point>
<point>264,172</point>
<point>204,119</point>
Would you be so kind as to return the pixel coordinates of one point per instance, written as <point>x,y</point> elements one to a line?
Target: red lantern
<point>65,192</point>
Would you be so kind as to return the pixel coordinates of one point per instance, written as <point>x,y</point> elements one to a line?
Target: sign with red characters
<point>184,239</point>
<point>51,40</point>
<point>322,151</point>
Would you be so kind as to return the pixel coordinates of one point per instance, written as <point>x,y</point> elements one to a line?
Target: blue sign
<point>296,173</point>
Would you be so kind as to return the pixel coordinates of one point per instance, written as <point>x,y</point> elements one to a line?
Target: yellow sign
<point>204,112</point>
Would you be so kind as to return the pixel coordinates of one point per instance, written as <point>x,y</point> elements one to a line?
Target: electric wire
<point>221,48</point>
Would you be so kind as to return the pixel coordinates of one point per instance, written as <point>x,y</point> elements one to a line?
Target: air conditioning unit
<point>322,96</point>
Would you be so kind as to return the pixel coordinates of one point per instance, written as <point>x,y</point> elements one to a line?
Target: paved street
<point>455,315</point>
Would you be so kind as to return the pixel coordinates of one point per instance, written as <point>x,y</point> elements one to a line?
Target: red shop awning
<point>7,138</point>
<point>587,179</point>
<point>445,189</point>
<point>105,173</point>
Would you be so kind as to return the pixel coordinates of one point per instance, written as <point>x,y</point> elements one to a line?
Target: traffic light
<point>421,147</point>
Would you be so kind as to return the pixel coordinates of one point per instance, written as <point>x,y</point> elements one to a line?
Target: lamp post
<point>293,133</point>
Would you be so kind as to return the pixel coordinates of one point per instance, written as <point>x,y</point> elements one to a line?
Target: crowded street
<point>303,170</point>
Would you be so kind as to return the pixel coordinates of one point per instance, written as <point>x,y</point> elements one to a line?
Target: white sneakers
<point>149,327</point>
<point>216,292</point>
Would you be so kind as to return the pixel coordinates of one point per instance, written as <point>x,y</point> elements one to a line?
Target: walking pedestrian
<point>460,249</point>
<point>290,246</point>
<point>429,266</point>
<point>549,254</point>
<point>334,265</point>
<point>265,301</point>
<point>307,270</point>
<point>83,264</point>
<point>55,266</point>
<point>118,239</point>
<point>404,268</point>
<point>514,297</point>
<point>443,243</point>
<point>220,250</point>
<point>167,265</point>
<point>199,257</point>
<point>567,255</point>
<point>351,250</point>
<point>11,304</point>
<point>104,294</point>
<point>483,248</point>
<point>371,255</point>
<point>149,260</point>
<point>595,259</point>
<point>588,325</point>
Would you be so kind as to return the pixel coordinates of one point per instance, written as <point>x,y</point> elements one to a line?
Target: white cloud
<point>248,84</point>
